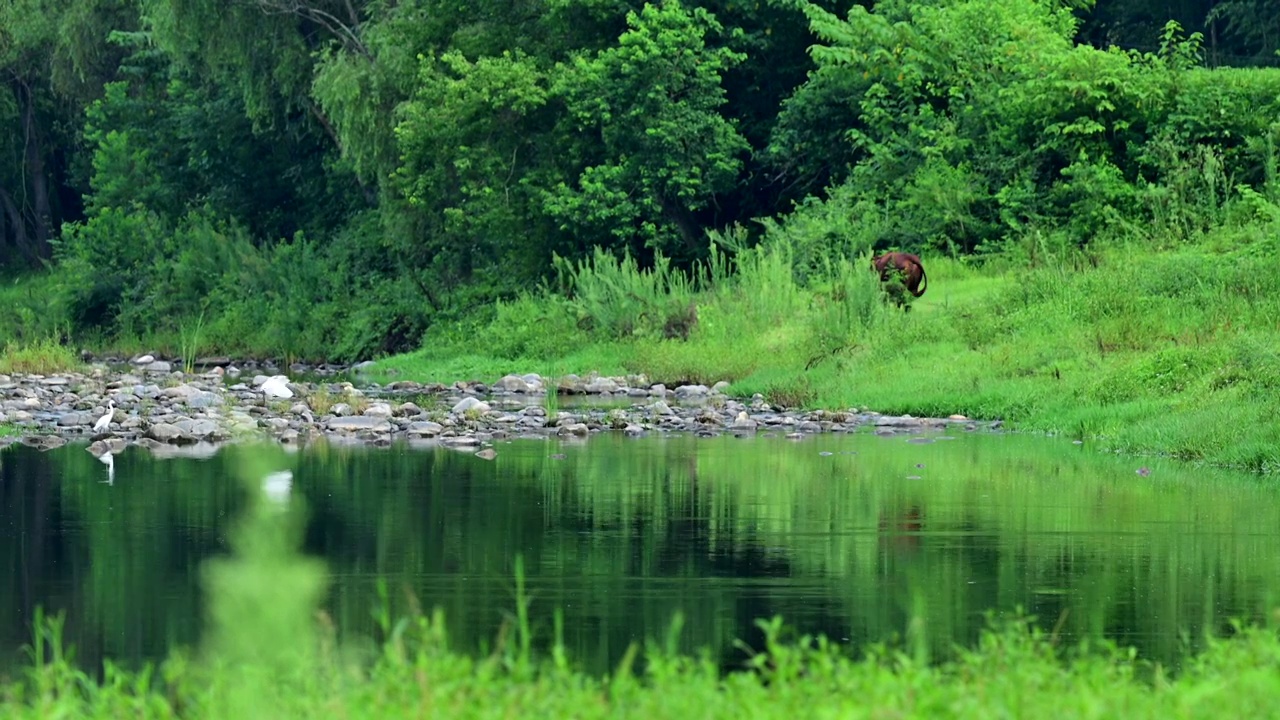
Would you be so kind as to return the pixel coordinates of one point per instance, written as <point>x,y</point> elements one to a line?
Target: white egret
<point>276,386</point>
<point>105,420</point>
<point>278,485</point>
<point>109,459</point>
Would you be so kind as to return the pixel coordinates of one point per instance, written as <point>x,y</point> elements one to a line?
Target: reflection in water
<point>860,537</point>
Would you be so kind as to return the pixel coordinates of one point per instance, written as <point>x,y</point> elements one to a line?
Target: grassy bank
<point>1172,352</point>
<point>1143,351</point>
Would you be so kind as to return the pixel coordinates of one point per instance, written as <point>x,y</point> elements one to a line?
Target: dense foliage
<point>332,179</point>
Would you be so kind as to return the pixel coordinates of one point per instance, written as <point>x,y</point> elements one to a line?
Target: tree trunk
<point>20,239</point>
<point>35,174</point>
<point>370,195</point>
<point>691,234</point>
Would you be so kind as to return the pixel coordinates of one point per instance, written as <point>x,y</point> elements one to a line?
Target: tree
<point>54,58</point>
<point>658,152</point>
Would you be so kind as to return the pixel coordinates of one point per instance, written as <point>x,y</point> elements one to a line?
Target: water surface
<point>850,535</point>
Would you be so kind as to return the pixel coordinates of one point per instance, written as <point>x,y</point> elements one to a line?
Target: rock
<point>892,421</point>
<point>382,410</point>
<point>513,383</point>
<point>164,432</point>
<point>487,454</point>
<point>201,429</point>
<point>183,390</point>
<point>692,391</point>
<point>708,417</point>
<point>157,366</point>
<point>193,396</point>
<point>204,399</point>
<point>602,385</point>
<point>44,442</point>
<point>360,422</point>
<point>471,404</point>
<point>579,429</point>
<point>203,411</point>
<point>408,410</point>
<point>571,384</point>
<point>424,428</point>
<point>720,387</point>
<point>216,361</point>
<point>72,419</point>
<point>743,422</point>
<point>148,443</point>
<point>143,360</point>
<point>363,366</point>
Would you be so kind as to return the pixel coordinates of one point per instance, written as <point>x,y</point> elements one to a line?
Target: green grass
<point>29,310</point>
<point>435,364</point>
<point>1015,672</point>
<point>1173,353</point>
<point>42,357</point>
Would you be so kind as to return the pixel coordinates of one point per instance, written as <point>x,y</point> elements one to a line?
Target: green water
<point>860,537</point>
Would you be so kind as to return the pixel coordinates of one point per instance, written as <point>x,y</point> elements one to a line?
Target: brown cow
<point>908,265</point>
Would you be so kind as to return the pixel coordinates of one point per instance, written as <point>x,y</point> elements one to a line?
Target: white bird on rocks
<point>278,485</point>
<point>276,386</point>
<point>105,420</point>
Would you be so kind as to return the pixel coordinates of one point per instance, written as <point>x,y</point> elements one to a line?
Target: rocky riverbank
<point>152,405</point>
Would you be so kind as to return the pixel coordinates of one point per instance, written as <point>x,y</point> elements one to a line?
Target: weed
<point>357,400</point>
<point>190,339</point>
<point>321,401</point>
<point>41,357</point>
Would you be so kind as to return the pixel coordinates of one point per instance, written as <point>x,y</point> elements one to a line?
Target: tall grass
<point>190,339</point>
<point>30,309</point>
<point>618,299</point>
<point>41,357</point>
